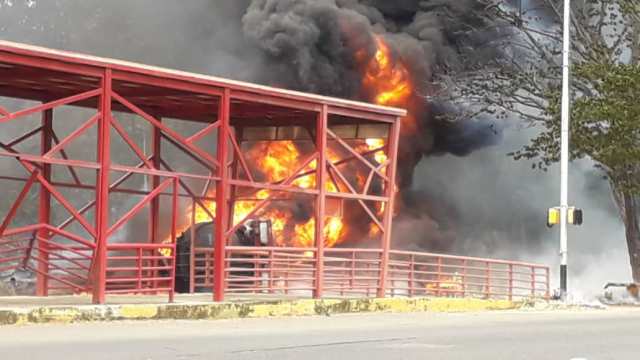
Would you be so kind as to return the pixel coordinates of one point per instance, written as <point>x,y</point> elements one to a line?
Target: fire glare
<point>276,160</point>
<point>389,83</point>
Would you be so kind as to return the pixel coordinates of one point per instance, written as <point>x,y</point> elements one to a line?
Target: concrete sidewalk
<point>31,310</point>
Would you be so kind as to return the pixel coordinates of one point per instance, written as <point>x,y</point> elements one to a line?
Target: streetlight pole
<point>564,146</point>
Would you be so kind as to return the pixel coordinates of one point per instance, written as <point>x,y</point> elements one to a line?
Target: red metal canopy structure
<point>229,111</point>
<point>63,136</point>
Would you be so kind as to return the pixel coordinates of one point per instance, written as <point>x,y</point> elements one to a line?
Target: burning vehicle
<point>252,233</point>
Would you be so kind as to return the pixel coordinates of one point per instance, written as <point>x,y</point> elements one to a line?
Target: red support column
<point>42,281</point>
<point>154,206</point>
<point>174,224</point>
<point>155,203</point>
<point>222,187</point>
<point>192,249</point>
<point>235,174</point>
<point>102,192</point>
<point>394,139</point>
<point>321,177</point>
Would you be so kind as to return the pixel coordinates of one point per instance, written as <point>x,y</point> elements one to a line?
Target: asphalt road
<point>612,334</point>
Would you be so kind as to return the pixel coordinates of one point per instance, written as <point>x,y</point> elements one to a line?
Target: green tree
<point>525,81</point>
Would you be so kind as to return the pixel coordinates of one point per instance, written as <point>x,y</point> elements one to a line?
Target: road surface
<point>612,334</point>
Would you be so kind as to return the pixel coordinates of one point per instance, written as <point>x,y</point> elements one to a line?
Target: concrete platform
<point>69,309</point>
<point>35,301</point>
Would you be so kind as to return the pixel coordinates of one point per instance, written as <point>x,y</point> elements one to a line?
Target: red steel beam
<point>174,224</point>
<point>156,148</point>
<point>191,194</point>
<point>131,213</point>
<point>24,137</point>
<point>239,156</point>
<point>127,139</point>
<point>266,201</point>
<point>153,121</point>
<point>74,135</point>
<point>275,100</point>
<point>356,154</point>
<point>113,187</point>
<point>18,202</point>
<point>102,191</point>
<point>184,149</point>
<point>360,201</point>
<point>202,133</point>
<point>394,140</point>
<point>321,177</point>
<point>222,186</point>
<point>44,213</point>
<point>63,153</point>
<point>360,114</point>
<point>51,105</point>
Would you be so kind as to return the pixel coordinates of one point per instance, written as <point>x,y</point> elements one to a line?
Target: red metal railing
<point>357,272</point>
<point>352,272</point>
<point>141,268</point>
<point>420,274</point>
<point>63,258</point>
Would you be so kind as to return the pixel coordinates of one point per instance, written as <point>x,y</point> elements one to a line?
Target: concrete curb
<point>262,309</point>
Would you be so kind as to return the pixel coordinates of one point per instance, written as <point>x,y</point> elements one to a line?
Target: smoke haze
<point>461,193</point>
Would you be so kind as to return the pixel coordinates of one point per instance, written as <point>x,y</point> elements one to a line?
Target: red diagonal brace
<point>85,224</point>
<point>43,182</point>
<point>364,206</point>
<point>202,133</point>
<point>240,156</point>
<point>16,204</point>
<point>126,217</point>
<point>188,153</point>
<point>191,193</point>
<point>264,202</point>
<point>51,105</point>
<point>91,203</point>
<point>24,137</point>
<point>74,134</point>
<point>63,153</point>
<point>136,149</point>
<point>356,154</point>
<point>164,128</point>
<point>367,184</point>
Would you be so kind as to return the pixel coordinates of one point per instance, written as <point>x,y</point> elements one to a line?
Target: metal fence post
<point>533,281</point>
<point>412,261</point>
<point>510,282</point>
<point>139,265</point>
<point>488,281</point>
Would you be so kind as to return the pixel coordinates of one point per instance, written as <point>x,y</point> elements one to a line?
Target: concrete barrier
<point>228,310</point>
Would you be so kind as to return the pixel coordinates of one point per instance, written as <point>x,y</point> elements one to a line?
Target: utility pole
<point>564,146</point>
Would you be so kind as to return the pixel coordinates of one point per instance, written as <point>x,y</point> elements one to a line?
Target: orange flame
<point>276,161</point>
<point>390,82</point>
<point>447,286</point>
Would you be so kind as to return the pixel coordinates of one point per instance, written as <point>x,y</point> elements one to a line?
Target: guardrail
<point>62,258</point>
<point>357,272</point>
<point>141,269</point>
<point>420,274</point>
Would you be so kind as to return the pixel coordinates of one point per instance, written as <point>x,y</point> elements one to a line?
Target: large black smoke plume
<point>464,196</point>
<point>312,45</point>
<point>320,46</point>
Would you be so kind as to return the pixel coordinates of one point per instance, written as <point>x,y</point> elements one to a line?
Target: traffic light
<point>553,216</point>
<point>574,216</point>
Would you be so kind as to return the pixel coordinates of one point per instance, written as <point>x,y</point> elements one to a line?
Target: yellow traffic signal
<point>553,216</point>
<point>574,216</point>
